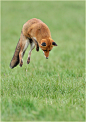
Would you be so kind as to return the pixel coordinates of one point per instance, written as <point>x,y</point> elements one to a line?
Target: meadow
<point>47,89</point>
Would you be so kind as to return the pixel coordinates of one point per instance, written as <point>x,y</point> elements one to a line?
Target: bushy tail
<point>15,60</point>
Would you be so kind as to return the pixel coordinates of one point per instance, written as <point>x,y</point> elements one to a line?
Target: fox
<point>37,34</point>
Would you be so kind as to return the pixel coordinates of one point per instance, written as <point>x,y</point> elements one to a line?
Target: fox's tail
<point>15,60</point>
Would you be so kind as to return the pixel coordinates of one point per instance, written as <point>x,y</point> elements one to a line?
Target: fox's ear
<point>43,44</point>
<point>54,44</point>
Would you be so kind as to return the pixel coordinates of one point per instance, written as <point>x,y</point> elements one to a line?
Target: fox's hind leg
<point>20,58</point>
<point>32,44</point>
<point>24,46</point>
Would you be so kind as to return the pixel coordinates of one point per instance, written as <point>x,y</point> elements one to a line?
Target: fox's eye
<point>49,50</point>
<point>44,50</point>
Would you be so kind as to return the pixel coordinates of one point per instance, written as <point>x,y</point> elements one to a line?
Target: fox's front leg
<point>20,58</point>
<point>29,55</point>
<point>36,43</point>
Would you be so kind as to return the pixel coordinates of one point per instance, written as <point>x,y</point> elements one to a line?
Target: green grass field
<point>44,90</point>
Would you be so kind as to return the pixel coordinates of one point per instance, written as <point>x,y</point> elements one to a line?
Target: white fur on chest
<point>26,45</point>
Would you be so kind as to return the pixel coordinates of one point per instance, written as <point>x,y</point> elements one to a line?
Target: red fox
<point>36,33</point>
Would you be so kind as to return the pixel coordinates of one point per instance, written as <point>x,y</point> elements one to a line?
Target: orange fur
<point>36,33</point>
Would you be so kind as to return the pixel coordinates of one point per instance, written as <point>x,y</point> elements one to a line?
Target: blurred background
<point>65,66</point>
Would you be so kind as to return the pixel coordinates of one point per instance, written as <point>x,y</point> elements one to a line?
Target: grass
<point>44,90</point>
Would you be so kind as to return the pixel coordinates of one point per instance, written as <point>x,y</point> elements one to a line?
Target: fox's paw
<point>28,60</point>
<point>21,63</point>
<point>37,48</point>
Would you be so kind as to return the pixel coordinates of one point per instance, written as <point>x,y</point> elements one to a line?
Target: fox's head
<point>47,45</point>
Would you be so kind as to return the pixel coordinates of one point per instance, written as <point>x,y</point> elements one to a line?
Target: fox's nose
<point>46,57</point>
